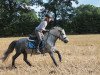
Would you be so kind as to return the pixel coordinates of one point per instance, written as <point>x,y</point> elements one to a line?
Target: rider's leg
<point>39,36</point>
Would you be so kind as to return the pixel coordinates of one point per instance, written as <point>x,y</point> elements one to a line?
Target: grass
<point>81,56</point>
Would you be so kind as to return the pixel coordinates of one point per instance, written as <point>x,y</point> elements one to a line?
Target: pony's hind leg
<point>25,58</point>
<point>13,59</point>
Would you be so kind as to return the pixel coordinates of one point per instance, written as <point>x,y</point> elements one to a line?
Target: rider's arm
<point>43,25</point>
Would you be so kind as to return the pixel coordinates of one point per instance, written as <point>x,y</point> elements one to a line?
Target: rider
<point>40,28</point>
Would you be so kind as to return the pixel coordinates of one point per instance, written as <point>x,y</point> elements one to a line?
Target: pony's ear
<point>53,28</point>
<point>56,26</point>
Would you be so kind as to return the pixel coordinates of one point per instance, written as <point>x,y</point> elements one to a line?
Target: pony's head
<point>60,33</point>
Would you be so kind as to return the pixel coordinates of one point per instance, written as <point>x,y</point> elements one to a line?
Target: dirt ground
<point>81,56</point>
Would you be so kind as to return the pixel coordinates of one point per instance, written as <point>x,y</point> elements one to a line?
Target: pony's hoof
<point>14,67</point>
<point>44,54</point>
<point>31,66</point>
<point>57,65</point>
<point>60,60</point>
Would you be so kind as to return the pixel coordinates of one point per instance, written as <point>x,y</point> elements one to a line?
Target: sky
<point>91,2</point>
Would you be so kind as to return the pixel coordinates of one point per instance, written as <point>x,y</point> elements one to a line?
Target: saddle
<point>31,37</point>
<point>33,43</point>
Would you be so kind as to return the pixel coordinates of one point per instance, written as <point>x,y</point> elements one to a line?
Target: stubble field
<point>81,56</point>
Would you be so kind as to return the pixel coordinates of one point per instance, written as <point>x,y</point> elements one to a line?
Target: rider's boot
<point>37,50</point>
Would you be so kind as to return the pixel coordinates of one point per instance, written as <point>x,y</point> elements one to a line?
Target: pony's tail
<point>9,50</point>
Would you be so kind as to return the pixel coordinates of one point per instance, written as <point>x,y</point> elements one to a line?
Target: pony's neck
<point>50,39</point>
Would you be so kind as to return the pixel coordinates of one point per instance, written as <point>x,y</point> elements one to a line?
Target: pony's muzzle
<point>66,40</point>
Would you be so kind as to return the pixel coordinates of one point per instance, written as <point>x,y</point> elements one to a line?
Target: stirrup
<point>38,51</point>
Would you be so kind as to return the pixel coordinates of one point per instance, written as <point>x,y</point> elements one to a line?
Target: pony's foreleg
<point>13,59</point>
<point>59,55</point>
<point>25,58</point>
<point>52,56</point>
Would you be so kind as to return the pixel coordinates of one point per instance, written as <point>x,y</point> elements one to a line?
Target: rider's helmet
<point>48,16</point>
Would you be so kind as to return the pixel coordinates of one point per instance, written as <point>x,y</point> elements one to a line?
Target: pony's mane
<point>59,28</point>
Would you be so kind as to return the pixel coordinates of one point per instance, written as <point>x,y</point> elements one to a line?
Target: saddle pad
<point>31,45</point>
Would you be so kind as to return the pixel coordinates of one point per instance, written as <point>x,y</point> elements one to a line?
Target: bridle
<point>53,35</point>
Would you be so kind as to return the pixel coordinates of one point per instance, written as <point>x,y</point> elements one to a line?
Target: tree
<point>14,15</point>
<point>62,9</point>
<point>86,19</point>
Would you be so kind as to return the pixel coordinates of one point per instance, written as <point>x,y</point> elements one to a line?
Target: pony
<point>49,39</point>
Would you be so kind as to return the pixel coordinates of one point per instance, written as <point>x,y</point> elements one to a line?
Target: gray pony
<point>49,38</point>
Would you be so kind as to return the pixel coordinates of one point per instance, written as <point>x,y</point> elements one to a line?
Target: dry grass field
<point>81,56</point>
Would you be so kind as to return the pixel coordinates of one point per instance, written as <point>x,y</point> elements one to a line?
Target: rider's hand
<point>44,31</point>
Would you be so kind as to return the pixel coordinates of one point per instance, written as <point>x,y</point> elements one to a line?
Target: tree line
<point>16,19</point>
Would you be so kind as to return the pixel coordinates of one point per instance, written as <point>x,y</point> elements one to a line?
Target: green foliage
<point>87,19</point>
<point>16,21</point>
<point>61,9</point>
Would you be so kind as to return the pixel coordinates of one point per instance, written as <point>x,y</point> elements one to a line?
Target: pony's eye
<point>62,34</point>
